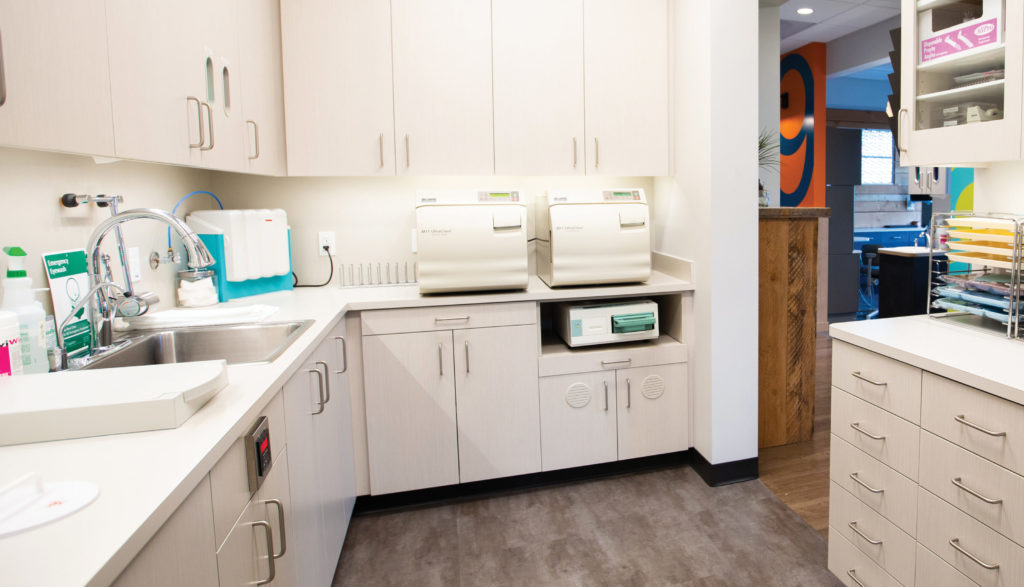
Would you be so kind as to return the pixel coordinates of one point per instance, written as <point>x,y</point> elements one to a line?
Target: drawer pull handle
<point>856,426</point>
<point>269,534</point>
<point>955,543</point>
<point>856,478</point>
<point>959,482</point>
<point>458,319</point>
<point>622,362</point>
<point>852,573</point>
<point>853,526</point>
<point>961,419</point>
<point>280,525</point>
<point>868,379</point>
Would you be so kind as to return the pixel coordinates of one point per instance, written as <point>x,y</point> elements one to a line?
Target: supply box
<point>604,323</point>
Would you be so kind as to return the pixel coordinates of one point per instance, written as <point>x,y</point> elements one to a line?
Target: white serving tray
<point>78,404</point>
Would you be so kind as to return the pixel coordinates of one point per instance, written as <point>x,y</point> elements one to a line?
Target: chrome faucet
<point>927,236</point>
<point>105,308</point>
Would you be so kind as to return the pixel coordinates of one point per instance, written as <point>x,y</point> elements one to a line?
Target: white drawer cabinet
<point>879,486</point>
<point>888,438</point>
<point>446,318</point>
<point>933,571</point>
<point>882,541</point>
<point>887,383</point>
<point>853,567</point>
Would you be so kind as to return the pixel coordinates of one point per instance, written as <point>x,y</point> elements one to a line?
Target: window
<point>876,163</point>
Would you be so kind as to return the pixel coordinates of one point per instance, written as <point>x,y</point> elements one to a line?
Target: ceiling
<point>831,19</point>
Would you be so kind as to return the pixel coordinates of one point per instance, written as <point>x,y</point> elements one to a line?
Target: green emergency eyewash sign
<point>68,275</point>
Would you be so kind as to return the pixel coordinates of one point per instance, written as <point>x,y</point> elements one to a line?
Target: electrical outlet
<point>325,238</point>
<point>134,264</point>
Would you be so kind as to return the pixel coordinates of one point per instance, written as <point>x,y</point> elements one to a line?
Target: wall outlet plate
<point>325,238</point>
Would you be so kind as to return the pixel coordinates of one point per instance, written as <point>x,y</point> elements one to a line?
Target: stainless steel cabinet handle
<point>959,482</point>
<point>3,77</point>
<point>960,418</point>
<point>597,154</point>
<point>853,526</point>
<point>852,573</point>
<point>199,113</point>
<point>256,139</point>
<point>622,362</point>
<point>209,125</point>
<point>344,353</point>
<point>955,543</point>
<point>269,533</point>
<point>606,396</point>
<point>629,394</point>
<point>327,379</point>
<point>440,360</point>
<point>856,478</point>
<point>869,380</point>
<point>280,526</point>
<point>381,138</point>
<point>320,404</point>
<point>574,161</point>
<point>467,356</point>
<point>457,319</point>
<point>407,160</point>
<point>856,426</point>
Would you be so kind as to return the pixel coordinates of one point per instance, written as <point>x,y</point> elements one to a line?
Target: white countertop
<point>144,477</point>
<point>981,359</point>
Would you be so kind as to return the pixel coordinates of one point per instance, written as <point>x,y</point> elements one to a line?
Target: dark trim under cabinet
<point>724,473</point>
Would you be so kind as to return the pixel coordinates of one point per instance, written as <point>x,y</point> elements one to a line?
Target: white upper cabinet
<point>442,76</point>
<point>259,40</point>
<point>538,87</point>
<point>960,82</point>
<point>626,71</point>
<point>218,46</point>
<point>54,79</point>
<point>337,87</point>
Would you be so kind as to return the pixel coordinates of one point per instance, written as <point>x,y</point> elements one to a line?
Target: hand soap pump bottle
<point>19,298</point>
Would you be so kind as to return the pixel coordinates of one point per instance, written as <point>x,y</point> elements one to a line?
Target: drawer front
<point>448,317</point>
<point>881,540</point>
<point>932,571</point>
<point>881,487</point>
<point>888,438</point>
<point>970,482</point>
<point>940,525</point>
<point>980,422</point>
<point>229,479</point>
<point>852,566</point>
<point>887,383</point>
<point>611,358</point>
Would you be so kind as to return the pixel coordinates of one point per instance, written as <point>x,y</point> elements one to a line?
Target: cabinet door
<point>626,66</point>
<point>183,551</point>
<point>54,76</point>
<point>243,559</point>
<point>653,410</point>
<point>218,48</point>
<point>337,87</point>
<point>927,102</point>
<point>577,417</point>
<point>259,39</point>
<point>275,488</point>
<point>496,395</point>
<point>442,76</point>
<point>333,435</point>
<point>538,87</point>
<point>410,411</point>
<point>152,75</point>
<point>302,397</point>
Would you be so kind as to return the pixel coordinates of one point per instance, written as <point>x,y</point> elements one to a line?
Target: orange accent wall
<point>804,181</point>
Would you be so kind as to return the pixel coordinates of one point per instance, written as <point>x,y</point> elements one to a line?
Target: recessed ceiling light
<point>805,11</point>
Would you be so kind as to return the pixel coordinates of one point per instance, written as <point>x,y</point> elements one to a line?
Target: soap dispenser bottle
<point>19,299</point>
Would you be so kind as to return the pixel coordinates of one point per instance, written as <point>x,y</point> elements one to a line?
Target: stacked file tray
<point>989,288</point>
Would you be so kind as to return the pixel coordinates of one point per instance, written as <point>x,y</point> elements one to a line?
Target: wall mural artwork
<point>802,150</point>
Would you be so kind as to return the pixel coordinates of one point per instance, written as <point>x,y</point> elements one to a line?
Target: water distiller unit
<point>587,237</point>
<point>604,323</point>
<point>471,240</point>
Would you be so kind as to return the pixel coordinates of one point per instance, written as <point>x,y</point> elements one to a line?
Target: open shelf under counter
<point>992,90</point>
<point>980,59</point>
<point>558,358</point>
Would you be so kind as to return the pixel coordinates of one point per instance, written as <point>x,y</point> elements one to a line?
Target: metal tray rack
<point>988,294</point>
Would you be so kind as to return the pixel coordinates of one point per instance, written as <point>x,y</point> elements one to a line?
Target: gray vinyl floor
<point>663,527</point>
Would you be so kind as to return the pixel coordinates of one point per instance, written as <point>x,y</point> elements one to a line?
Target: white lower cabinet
<point>653,410</point>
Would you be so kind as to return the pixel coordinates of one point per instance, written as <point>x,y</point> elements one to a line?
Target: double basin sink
<point>240,343</point>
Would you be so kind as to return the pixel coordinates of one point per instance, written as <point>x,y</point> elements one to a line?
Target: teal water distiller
<point>252,249</point>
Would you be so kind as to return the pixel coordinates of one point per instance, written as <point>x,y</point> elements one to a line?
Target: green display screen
<point>505,195</point>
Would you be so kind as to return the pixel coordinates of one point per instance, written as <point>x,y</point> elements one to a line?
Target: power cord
<point>295,278</point>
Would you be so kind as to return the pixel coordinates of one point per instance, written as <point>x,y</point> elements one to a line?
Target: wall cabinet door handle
<point>856,478</point>
<point>574,160</point>
<point>858,375</point>
<point>269,533</point>
<point>955,543</point>
<point>899,130</point>
<point>199,115</point>
<point>255,139</point>
<point>440,360</point>
<point>467,356</point>
<point>344,353</point>
<point>597,154</point>
<point>280,526</point>
<point>408,161</point>
<point>959,482</point>
<point>856,426</point>
<point>853,526</point>
<point>320,378</point>
<point>960,418</point>
<point>327,379</point>
<point>381,141</point>
<point>209,126</point>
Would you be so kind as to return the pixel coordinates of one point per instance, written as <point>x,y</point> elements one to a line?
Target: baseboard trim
<point>368,504</point>
<point>724,473</point>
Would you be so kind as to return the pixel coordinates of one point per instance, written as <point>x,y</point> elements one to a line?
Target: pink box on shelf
<point>959,40</point>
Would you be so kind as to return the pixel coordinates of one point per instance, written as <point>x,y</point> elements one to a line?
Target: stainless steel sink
<point>242,343</point>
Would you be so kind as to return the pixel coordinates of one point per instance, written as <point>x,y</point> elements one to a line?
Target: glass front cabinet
<point>961,71</point>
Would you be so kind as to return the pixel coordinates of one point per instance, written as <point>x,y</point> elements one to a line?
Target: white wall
<point>34,219</point>
<point>998,188</point>
<point>707,212</point>
<point>861,49</point>
<point>768,89</point>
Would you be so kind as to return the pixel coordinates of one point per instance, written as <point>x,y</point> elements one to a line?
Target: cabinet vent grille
<point>578,395</point>
<point>653,386</point>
